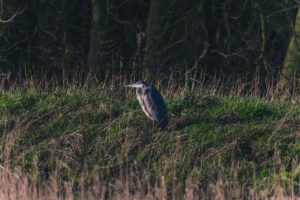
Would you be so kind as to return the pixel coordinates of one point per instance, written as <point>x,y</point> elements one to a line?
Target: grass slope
<point>246,141</point>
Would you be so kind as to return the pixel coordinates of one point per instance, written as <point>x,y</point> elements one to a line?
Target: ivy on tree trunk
<point>292,59</point>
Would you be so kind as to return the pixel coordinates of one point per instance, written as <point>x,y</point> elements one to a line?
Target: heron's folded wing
<point>144,106</point>
<point>155,103</point>
<point>149,104</point>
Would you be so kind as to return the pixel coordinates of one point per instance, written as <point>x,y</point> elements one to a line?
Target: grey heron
<point>152,103</point>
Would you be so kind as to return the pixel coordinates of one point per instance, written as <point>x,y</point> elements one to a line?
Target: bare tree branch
<point>12,17</point>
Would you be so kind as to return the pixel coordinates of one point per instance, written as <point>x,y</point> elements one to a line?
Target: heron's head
<point>139,84</point>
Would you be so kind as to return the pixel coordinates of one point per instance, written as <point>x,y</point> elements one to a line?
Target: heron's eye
<point>139,91</point>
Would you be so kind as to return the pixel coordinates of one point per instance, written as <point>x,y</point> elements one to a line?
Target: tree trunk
<point>155,31</point>
<point>292,58</point>
<point>173,36</point>
<point>261,60</point>
<point>106,36</point>
<point>76,36</point>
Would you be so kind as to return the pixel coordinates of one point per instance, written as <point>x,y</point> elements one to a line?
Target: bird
<point>152,103</point>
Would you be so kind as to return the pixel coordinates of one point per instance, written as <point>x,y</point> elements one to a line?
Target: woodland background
<point>132,37</point>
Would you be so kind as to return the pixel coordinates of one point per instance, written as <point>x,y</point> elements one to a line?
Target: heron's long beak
<point>134,85</point>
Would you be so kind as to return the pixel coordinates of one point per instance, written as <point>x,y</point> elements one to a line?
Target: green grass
<point>246,140</point>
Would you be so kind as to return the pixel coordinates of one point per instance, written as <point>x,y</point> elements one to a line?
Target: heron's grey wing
<point>149,105</point>
<point>156,105</point>
<point>144,105</point>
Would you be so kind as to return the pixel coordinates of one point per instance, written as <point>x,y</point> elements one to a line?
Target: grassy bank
<point>98,143</point>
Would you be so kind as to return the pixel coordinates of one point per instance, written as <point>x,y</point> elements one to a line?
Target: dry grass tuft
<point>16,185</point>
